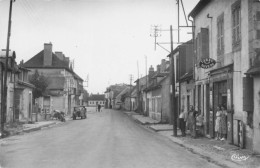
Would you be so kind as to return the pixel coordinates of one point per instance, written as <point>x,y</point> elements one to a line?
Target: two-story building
<point>19,90</point>
<point>226,36</point>
<point>158,93</point>
<point>65,87</point>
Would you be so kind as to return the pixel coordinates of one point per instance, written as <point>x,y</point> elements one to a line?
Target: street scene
<point>106,139</point>
<point>129,84</point>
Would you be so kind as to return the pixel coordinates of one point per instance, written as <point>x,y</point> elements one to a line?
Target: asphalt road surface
<point>109,139</point>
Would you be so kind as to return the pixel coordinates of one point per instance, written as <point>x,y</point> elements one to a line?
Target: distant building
<point>95,99</point>
<point>111,94</point>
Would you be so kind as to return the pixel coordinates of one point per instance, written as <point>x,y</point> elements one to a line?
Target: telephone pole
<point>155,32</point>
<point>172,76</point>
<point>173,108</point>
<point>4,88</point>
<point>131,79</point>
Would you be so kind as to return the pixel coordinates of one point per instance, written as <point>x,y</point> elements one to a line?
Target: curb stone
<point>28,130</point>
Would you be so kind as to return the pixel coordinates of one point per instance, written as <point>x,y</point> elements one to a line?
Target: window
<point>220,34</point>
<point>258,16</point>
<point>236,20</point>
<point>258,34</point>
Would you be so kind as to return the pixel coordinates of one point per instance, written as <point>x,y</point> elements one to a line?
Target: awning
<point>253,71</point>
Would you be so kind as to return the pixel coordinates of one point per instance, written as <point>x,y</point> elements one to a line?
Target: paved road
<point>109,139</point>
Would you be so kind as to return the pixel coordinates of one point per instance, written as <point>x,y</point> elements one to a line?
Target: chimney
<point>163,65</point>
<point>21,63</point>
<point>60,55</point>
<point>158,68</point>
<point>47,58</point>
<point>151,73</point>
<point>167,64</point>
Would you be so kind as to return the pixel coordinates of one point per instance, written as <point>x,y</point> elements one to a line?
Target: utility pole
<point>131,78</point>
<point>174,115</point>
<point>172,76</point>
<point>155,29</point>
<point>146,86</point>
<point>4,95</point>
<point>138,90</point>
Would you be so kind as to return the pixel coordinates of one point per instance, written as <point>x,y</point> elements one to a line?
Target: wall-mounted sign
<point>206,63</point>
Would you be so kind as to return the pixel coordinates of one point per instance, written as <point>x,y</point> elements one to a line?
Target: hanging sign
<point>206,63</point>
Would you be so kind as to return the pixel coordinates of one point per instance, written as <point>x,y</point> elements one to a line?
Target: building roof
<point>155,86</point>
<point>37,62</point>
<point>200,5</point>
<point>187,76</point>
<point>96,97</point>
<point>160,74</point>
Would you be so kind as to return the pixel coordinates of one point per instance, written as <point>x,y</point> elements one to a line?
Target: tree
<point>40,82</point>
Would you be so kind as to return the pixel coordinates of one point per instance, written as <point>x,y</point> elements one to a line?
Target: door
<point>17,99</point>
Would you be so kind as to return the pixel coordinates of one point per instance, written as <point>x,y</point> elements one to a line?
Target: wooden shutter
<point>204,43</point>
<point>248,94</point>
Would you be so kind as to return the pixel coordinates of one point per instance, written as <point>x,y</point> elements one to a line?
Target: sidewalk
<point>20,128</point>
<point>218,152</point>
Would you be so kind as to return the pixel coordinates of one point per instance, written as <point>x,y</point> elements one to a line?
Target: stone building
<point>65,88</point>
<point>227,33</point>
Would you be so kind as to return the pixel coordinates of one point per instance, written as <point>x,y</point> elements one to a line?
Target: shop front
<point>220,94</point>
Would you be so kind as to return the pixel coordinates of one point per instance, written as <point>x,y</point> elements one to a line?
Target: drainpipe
<point>193,60</point>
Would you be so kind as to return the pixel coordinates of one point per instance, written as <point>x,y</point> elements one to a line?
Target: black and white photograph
<point>129,83</point>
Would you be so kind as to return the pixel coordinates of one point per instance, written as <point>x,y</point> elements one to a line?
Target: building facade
<point>225,32</point>
<point>95,99</point>
<point>65,87</point>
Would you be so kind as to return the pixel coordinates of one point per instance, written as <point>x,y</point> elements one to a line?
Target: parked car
<point>79,111</point>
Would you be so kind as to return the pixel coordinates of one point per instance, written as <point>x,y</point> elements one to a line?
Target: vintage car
<point>79,111</point>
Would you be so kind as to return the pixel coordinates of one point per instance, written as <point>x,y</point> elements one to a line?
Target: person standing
<point>99,107</point>
<point>223,124</point>
<point>217,122</point>
<point>182,121</point>
<point>192,121</point>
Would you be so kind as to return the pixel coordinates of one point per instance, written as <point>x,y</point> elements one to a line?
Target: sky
<point>109,40</point>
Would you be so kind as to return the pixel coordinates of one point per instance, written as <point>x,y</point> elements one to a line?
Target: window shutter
<point>204,43</point>
<point>248,94</point>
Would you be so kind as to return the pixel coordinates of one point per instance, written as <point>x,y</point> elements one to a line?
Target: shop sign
<point>206,63</point>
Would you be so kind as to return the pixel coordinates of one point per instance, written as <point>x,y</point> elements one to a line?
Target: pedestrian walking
<point>99,107</point>
<point>182,121</point>
<point>217,122</point>
<point>223,123</point>
<point>192,121</point>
